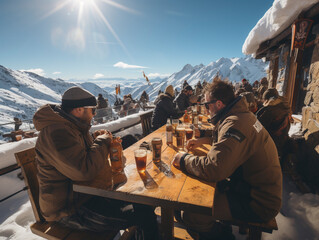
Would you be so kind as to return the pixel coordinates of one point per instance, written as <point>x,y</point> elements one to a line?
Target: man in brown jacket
<point>66,152</point>
<point>243,161</point>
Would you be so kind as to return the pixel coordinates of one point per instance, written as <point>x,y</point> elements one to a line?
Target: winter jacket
<point>243,148</point>
<point>164,109</point>
<point>182,101</point>
<point>248,87</point>
<point>65,152</point>
<point>102,103</point>
<point>275,117</point>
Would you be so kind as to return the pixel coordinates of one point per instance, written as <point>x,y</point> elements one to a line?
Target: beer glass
<point>180,136</point>
<point>157,149</point>
<point>189,131</point>
<point>175,123</point>
<point>140,159</point>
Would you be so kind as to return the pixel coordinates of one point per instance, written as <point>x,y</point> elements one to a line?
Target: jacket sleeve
<point>169,108</point>
<point>180,102</point>
<point>225,156</point>
<point>73,159</point>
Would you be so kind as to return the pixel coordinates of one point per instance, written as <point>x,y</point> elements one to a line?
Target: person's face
<point>212,107</point>
<point>87,115</point>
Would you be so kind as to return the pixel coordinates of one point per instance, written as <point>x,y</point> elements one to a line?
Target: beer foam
<point>140,153</point>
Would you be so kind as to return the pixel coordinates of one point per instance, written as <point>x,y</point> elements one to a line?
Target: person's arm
<point>222,160</point>
<point>69,155</point>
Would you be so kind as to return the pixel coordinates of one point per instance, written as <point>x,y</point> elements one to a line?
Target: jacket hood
<point>165,95</point>
<point>52,114</point>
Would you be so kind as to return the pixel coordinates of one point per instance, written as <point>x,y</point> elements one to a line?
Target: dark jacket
<point>182,101</point>
<point>101,103</point>
<point>65,152</point>
<point>164,109</point>
<point>248,87</point>
<point>240,142</point>
<point>275,117</point>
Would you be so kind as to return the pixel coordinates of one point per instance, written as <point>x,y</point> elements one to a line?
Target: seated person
<point>66,152</point>
<point>182,101</point>
<point>252,103</point>
<point>275,116</point>
<point>243,161</point>
<point>164,108</point>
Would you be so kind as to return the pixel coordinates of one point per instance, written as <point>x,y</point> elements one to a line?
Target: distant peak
<point>187,66</point>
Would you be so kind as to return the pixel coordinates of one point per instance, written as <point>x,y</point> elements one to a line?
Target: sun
<point>90,11</point>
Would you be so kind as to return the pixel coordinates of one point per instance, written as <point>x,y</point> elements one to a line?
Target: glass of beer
<point>180,136</point>
<point>140,159</point>
<point>174,124</point>
<point>189,131</point>
<point>157,149</point>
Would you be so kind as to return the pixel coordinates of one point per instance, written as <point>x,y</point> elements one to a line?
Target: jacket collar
<point>221,115</point>
<point>76,121</point>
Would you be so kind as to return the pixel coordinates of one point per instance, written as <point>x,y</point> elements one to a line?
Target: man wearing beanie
<point>67,152</point>
<point>164,108</point>
<point>182,100</point>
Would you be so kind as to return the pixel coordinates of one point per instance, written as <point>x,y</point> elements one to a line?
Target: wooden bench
<point>53,230</point>
<point>146,121</point>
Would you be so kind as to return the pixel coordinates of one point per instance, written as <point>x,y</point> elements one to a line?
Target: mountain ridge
<point>22,92</point>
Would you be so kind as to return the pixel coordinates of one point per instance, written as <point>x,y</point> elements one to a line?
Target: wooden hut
<point>293,55</point>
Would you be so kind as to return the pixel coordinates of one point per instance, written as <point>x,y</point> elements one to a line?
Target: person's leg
<point>101,214</point>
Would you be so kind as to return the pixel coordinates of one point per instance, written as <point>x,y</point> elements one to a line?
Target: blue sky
<point>102,38</point>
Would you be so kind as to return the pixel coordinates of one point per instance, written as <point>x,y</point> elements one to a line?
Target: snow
<point>21,93</point>
<point>298,218</point>
<point>278,17</point>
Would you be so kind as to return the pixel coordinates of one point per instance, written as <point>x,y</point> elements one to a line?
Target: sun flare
<point>88,11</point>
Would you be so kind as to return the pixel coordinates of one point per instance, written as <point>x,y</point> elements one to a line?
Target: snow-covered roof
<point>276,19</point>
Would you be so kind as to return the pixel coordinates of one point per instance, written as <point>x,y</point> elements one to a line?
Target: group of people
<point>243,161</point>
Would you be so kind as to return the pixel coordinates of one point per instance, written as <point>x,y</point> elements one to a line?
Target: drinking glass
<point>140,159</point>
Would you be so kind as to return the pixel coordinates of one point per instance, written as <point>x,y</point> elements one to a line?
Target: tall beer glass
<point>180,136</point>
<point>140,159</point>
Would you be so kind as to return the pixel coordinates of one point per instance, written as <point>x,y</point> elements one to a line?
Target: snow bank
<point>276,19</point>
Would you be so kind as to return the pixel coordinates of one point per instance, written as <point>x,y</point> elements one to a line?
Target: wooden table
<point>162,185</point>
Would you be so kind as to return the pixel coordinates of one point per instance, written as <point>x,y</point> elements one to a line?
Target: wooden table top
<point>161,185</point>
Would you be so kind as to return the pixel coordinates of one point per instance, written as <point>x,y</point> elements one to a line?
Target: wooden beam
<point>274,42</point>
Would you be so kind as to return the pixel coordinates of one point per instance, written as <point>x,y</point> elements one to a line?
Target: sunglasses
<point>93,109</point>
<point>207,103</point>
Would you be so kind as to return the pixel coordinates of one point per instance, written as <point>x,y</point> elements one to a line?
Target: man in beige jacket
<point>243,161</point>
<point>66,152</point>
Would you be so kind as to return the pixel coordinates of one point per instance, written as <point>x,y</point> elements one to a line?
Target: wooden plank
<point>52,231</point>
<point>26,160</point>
<point>181,234</point>
<point>202,201</point>
<point>8,169</point>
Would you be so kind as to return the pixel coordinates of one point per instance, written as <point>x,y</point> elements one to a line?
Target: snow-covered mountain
<point>21,93</point>
<point>235,69</point>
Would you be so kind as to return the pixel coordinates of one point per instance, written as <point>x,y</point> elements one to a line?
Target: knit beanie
<point>170,90</point>
<point>76,97</point>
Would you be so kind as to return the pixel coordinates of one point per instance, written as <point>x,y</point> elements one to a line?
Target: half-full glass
<point>140,159</point>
